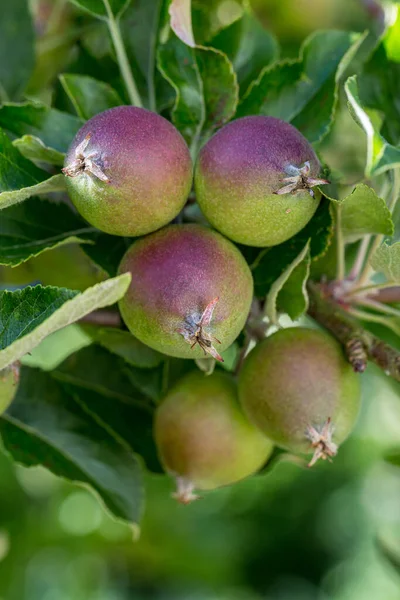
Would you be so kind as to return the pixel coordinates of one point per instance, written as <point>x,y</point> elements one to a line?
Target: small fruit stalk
<point>9,378</point>
<point>190,293</point>
<point>129,171</point>
<point>300,390</point>
<point>203,437</point>
<point>256,181</point>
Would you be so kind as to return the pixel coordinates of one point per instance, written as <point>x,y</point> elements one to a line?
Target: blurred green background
<point>331,533</point>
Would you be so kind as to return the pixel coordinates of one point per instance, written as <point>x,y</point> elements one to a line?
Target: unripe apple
<point>255,181</point>
<point>299,389</point>
<point>190,293</point>
<point>204,439</point>
<point>129,171</point>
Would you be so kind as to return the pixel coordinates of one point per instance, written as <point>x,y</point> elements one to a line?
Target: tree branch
<point>103,318</point>
<point>360,345</point>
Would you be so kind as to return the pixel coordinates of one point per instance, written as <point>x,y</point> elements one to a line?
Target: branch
<point>103,318</point>
<point>360,345</point>
<point>388,295</point>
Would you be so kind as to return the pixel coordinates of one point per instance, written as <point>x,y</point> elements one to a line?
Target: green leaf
<point>16,48</point>
<point>272,262</point>
<point>97,369</point>
<point>45,426</point>
<point>27,316</point>
<point>107,252</point>
<point>230,356</point>
<point>98,7</point>
<point>34,149</point>
<point>125,345</point>
<point>181,21</point>
<point>20,179</point>
<point>364,212</point>
<point>381,156</point>
<point>206,90</point>
<point>142,26</point>
<point>100,380</point>
<point>54,128</point>
<point>304,91</point>
<point>249,47</point>
<point>379,88</point>
<point>392,40</point>
<point>126,422</point>
<point>386,260</point>
<point>94,368</point>
<point>288,292</point>
<point>393,457</point>
<point>211,16</point>
<point>88,95</point>
<point>29,229</point>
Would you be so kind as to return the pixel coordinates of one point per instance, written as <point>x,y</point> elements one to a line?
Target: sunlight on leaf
<point>28,316</point>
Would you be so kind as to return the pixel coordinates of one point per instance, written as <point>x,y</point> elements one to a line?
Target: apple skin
<point>239,171</point>
<point>176,272</point>
<point>204,438</point>
<point>295,379</point>
<point>147,165</point>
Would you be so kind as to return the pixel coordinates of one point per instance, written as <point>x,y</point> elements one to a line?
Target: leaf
<point>28,229</point>
<point>381,156</point>
<point>181,21</point>
<point>364,212</point>
<point>304,91</point>
<point>272,262</point>
<point>206,90</point>
<point>386,260</point>
<point>393,457</point>
<point>142,26</point>
<point>392,40</point>
<point>34,149</point>
<point>96,369</point>
<point>211,16</point>
<point>98,7</point>
<point>88,95</point>
<point>255,48</point>
<point>27,316</point>
<point>16,48</point>
<point>125,345</point>
<point>289,289</point>
<point>54,128</point>
<point>125,422</point>
<point>20,178</point>
<point>44,426</point>
<point>107,252</point>
<point>108,393</point>
<point>379,88</point>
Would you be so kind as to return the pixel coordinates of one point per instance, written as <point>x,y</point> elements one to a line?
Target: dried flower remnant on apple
<point>85,163</point>
<point>194,331</point>
<point>298,178</point>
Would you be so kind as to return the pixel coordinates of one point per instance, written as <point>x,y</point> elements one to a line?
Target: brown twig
<point>359,344</point>
<point>388,295</point>
<point>103,318</point>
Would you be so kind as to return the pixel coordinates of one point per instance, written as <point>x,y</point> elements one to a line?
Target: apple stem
<point>122,57</point>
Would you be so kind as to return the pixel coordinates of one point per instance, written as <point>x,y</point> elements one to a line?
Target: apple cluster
<point>129,173</point>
